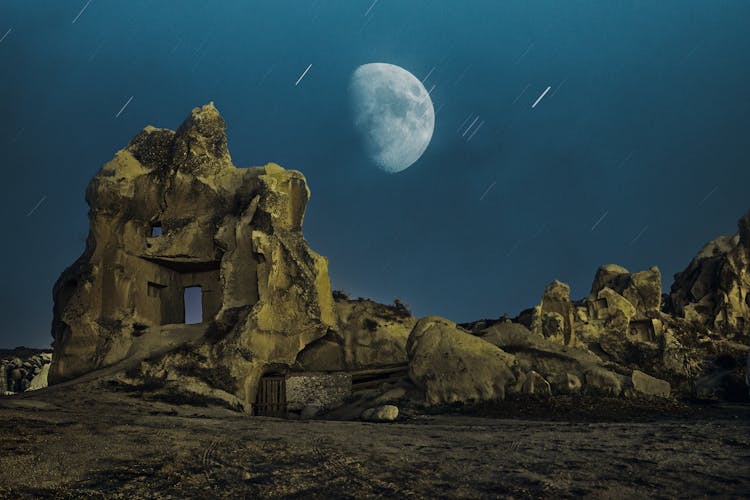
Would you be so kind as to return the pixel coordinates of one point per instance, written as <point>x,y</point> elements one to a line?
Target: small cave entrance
<point>271,398</point>
<point>193,297</point>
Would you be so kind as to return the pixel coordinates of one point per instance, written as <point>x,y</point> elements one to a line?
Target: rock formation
<point>170,213</point>
<point>714,290</point>
<point>23,369</point>
<point>171,216</point>
<point>451,365</point>
<point>368,335</point>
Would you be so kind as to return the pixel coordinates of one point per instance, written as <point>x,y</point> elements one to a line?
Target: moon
<point>393,114</point>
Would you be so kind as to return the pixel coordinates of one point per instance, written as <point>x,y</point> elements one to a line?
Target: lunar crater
<point>393,114</point>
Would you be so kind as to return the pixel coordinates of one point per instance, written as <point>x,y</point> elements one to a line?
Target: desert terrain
<point>87,441</point>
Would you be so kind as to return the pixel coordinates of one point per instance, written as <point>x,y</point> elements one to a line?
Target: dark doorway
<point>271,400</point>
<point>193,305</point>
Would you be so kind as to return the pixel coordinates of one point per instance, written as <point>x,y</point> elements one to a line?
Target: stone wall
<point>326,390</point>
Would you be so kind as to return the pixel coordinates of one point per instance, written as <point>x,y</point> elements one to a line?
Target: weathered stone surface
<point>374,334</point>
<point>323,355</point>
<point>615,310</point>
<point>369,335</point>
<point>562,368</point>
<point>234,232</point>
<point>641,289</point>
<point>602,381</point>
<point>535,384</point>
<point>714,290</point>
<point>450,365</point>
<point>507,334</point>
<point>40,379</point>
<point>554,318</point>
<point>610,276</point>
<point>29,373</point>
<point>385,413</point>
<point>647,385</point>
<point>390,396</point>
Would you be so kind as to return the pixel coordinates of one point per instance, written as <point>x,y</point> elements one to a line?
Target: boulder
<point>604,382</point>
<point>450,365</point>
<point>171,212</point>
<point>40,379</point>
<point>385,413</point>
<point>646,385</point>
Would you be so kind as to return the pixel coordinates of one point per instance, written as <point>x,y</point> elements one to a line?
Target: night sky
<point>644,135</point>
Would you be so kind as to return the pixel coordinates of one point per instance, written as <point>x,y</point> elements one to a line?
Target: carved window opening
<point>193,297</point>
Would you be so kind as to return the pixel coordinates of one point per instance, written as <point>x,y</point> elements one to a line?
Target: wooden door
<point>271,400</point>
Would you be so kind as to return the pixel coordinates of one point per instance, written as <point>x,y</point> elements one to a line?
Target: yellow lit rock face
<point>714,290</point>
<point>169,212</point>
<point>451,365</point>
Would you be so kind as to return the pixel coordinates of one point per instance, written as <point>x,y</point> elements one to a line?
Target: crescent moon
<point>393,114</point>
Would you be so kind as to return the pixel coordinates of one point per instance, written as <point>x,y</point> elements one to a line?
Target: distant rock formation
<point>714,290</point>
<point>23,369</point>
<point>171,213</point>
<point>172,218</point>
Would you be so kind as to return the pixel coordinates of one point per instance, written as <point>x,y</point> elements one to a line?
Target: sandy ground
<point>74,442</point>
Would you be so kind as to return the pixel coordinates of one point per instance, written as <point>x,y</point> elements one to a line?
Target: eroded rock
<point>171,212</point>
<point>451,365</point>
<point>714,290</point>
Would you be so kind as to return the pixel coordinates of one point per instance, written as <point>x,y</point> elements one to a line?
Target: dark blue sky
<point>647,121</point>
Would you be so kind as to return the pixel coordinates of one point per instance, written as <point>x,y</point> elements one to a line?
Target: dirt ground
<point>78,442</point>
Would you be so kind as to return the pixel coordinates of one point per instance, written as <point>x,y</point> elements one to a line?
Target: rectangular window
<point>155,229</point>
<point>193,305</point>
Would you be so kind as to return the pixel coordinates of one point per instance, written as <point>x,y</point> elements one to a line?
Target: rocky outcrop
<point>374,334</point>
<point>170,213</point>
<point>642,289</point>
<point>714,290</point>
<point>23,370</point>
<point>547,368</point>
<point>369,335</point>
<point>171,217</point>
<point>450,365</point>
<point>554,317</point>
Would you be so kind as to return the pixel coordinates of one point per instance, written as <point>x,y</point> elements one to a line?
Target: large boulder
<point>385,413</point>
<point>646,385</point>
<point>451,365</point>
<point>171,212</point>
